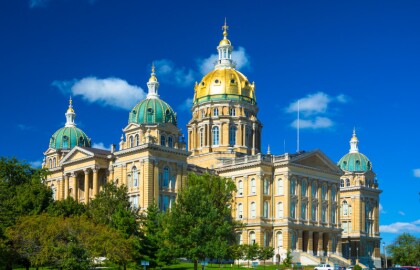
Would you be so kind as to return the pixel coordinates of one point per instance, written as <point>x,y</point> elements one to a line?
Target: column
<point>66,186</point>
<point>299,202</point>
<point>329,205</point>
<point>319,204</point>
<point>111,174</point>
<point>309,207</point>
<point>310,242</point>
<point>124,176</point>
<point>95,182</point>
<point>329,243</point>
<point>253,138</point>
<point>62,188</point>
<point>75,192</point>
<point>86,186</point>
<point>156,181</point>
<point>339,246</point>
<point>320,244</point>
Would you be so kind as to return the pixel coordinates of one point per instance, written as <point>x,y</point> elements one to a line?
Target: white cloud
<point>416,173</point>
<point>24,127</point>
<point>401,213</point>
<point>239,56</point>
<point>400,227</point>
<point>38,3</point>
<point>186,105</point>
<point>169,73</point>
<point>35,164</point>
<point>313,110</point>
<point>381,209</point>
<point>111,92</point>
<point>100,145</point>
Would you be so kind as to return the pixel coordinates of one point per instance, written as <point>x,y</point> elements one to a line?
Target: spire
<point>153,84</point>
<point>354,142</point>
<point>225,50</point>
<point>70,115</point>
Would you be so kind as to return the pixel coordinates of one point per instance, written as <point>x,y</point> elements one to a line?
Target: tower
<point>359,201</point>
<point>224,120</point>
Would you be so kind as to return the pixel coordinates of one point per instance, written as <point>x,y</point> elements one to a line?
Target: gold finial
<point>70,109</point>
<point>153,67</point>
<point>152,76</point>
<point>225,28</point>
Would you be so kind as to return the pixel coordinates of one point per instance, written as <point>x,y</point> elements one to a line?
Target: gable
<point>317,160</point>
<point>77,153</point>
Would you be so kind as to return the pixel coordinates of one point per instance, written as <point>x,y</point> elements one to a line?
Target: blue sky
<point>350,63</point>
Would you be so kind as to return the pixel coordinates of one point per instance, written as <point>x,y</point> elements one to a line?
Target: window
<point>324,214</point>
<point>131,141</point>
<point>170,142</point>
<point>293,187</point>
<point>232,135</point>
<point>163,140</point>
<point>240,211</point>
<point>50,163</point>
<point>232,112</point>
<point>345,227</point>
<point>314,190</point>
<point>347,182</point>
<point>293,210</point>
<point>134,200</point>
<point>240,187</point>
<point>279,210</point>
<point>279,240</point>
<point>65,142</point>
<point>216,112</point>
<point>201,137</point>
<point>293,240</point>
<point>248,137</point>
<point>324,192</point>
<point>252,238</point>
<point>54,192</point>
<point>345,208</point>
<point>279,186</point>
<point>266,187</point>
<point>215,133</point>
<point>137,140</point>
<point>239,238</point>
<point>165,177</point>
<point>314,212</point>
<point>253,187</point>
<point>54,162</point>
<point>253,209</point>
<point>303,211</point>
<point>303,188</point>
<point>341,183</point>
<point>333,211</point>
<point>333,194</point>
<point>135,177</point>
<point>267,238</point>
<point>202,113</point>
<point>266,205</point>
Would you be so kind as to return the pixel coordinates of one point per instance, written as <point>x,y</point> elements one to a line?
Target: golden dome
<point>224,84</point>
<point>224,41</point>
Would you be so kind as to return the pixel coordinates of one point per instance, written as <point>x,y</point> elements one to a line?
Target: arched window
<point>65,142</point>
<point>50,163</point>
<point>137,140</point>
<point>248,136</point>
<point>253,187</point>
<point>232,112</point>
<point>293,240</point>
<point>240,188</point>
<point>131,141</point>
<point>333,214</point>
<point>279,186</point>
<point>266,187</point>
<point>347,182</point>
<point>324,214</point>
<point>240,211</point>
<point>252,238</point>
<point>54,192</point>
<point>253,210</point>
<point>170,142</point>
<point>279,240</point>
<point>341,183</point>
<point>165,177</point>
<point>216,112</point>
<point>202,114</point>
<point>345,208</point>
<point>293,209</point>
<point>279,210</point>
<point>314,211</point>
<point>357,165</point>
<point>54,162</point>
<point>333,194</point>
<point>267,236</point>
<point>293,187</point>
<point>135,176</point>
<point>232,135</point>
<point>266,209</point>
<point>239,238</point>
<point>303,211</point>
<point>303,188</point>
<point>215,133</point>
<point>162,140</point>
<point>314,190</point>
<point>201,132</point>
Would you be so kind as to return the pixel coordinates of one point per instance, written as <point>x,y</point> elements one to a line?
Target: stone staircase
<point>337,259</point>
<point>309,259</point>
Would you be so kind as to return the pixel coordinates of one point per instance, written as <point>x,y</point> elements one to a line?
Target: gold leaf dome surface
<point>224,84</point>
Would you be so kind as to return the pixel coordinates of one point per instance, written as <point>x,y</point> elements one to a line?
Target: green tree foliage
<point>236,252</point>
<point>200,224</point>
<point>66,208</point>
<point>287,262</point>
<point>357,267</point>
<point>71,243</point>
<point>265,253</point>
<point>405,250</point>
<point>251,252</point>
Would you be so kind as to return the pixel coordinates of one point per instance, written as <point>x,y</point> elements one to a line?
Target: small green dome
<point>69,137</point>
<point>152,111</point>
<point>355,162</point>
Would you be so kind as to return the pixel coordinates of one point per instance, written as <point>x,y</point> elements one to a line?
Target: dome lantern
<point>354,161</point>
<point>153,85</point>
<point>225,51</point>
<point>70,115</point>
<point>354,143</point>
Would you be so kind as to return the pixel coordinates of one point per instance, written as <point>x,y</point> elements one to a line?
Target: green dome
<point>152,111</point>
<point>355,162</point>
<point>69,137</point>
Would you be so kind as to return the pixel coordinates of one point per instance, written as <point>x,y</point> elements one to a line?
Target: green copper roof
<point>355,162</point>
<point>152,111</point>
<point>69,137</point>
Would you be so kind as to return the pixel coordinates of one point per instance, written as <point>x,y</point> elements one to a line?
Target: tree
<point>201,219</point>
<point>405,250</point>
<point>66,208</point>
<point>287,262</point>
<point>236,252</point>
<point>265,253</point>
<point>251,252</point>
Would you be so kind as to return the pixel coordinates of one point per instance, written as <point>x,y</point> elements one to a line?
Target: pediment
<point>77,153</point>
<point>318,160</point>
<point>50,151</point>
<point>131,126</point>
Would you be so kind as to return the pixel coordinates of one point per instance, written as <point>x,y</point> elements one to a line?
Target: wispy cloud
<point>313,110</point>
<point>400,227</point>
<point>416,173</point>
<point>239,56</point>
<point>35,164</point>
<point>111,92</point>
<point>167,71</point>
<point>186,105</point>
<point>24,127</point>
<point>44,3</point>
<point>100,145</point>
<point>401,213</point>
<point>381,209</point>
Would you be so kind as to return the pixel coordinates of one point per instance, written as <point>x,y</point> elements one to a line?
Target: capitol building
<point>322,210</point>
